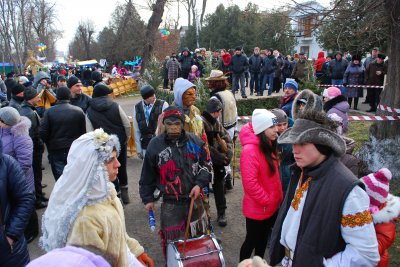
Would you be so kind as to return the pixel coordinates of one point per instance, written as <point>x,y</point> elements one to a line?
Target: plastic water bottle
<point>152,220</point>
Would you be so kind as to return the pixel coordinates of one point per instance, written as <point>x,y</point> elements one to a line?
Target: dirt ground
<point>137,223</point>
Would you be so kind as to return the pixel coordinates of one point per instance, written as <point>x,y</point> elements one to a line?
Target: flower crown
<point>105,144</point>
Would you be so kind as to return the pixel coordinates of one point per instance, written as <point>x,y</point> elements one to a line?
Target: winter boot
<point>228,182</point>
<point>222,219</point>
<point>124,194</point>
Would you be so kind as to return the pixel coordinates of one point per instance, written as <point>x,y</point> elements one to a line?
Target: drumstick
<point>187,227</point>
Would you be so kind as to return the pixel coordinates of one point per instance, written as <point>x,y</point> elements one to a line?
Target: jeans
<point>339,82</point>
<point>58,160</point>
<point>255,82</point>
<point>236,78</point>
<point>270,79</point>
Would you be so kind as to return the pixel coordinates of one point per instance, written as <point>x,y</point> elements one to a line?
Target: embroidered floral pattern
<point>299,194</point>
<point>358,219</point>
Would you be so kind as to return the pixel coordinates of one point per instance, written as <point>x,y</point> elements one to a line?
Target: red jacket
<point>262,188</point>
<point>385,227</point>
<point>319,62</point>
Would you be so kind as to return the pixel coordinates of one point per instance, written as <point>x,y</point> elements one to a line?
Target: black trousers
<point>122,174</point>
<point>374,98</point>
<point>257,235</point>
<point>219,189</point>
<point>37,170</point>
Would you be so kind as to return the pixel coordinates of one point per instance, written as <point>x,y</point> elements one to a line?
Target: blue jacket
<point>238,64</point>
<point>16,206</point>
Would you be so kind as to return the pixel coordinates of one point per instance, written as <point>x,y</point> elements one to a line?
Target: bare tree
<point>152,29</point>
<point>203,10</point>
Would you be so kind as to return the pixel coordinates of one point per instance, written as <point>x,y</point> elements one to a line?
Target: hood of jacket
<point>101,103</point>
<point>40,76</point>
<point>390,212</point>
<point>226,58</point>
<point>22,127</point>
<point>321,54</point>
<point>180,87</point>
<point>314,102</point>
<point>350,144</point>
<point>247,135</point>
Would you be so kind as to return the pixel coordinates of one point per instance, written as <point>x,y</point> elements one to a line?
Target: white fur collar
<point>389,212</point>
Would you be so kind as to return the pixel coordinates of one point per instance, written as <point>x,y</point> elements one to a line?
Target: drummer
<point>176,163</point>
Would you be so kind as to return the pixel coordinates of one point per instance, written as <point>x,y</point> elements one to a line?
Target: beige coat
<point>102,225</point>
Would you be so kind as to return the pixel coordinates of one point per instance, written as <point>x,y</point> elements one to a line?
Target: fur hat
<point>262,119</point>
<point>30,93</point>
<point>101,89</point>
<point>356,57</point>
<point>331,92</point>
<point>147,91</point>
<point>308,131</point>
<point>18,88</point>
<point>280,115</point>
<point>238,48</point>
<point>291,84</point>
<point>213,105</point>
<point>72,81</point>
<point>174,112</point>
<point>312,101</point>
<point>63,93</point>
<point>9,116</point>
<point>377,187</point>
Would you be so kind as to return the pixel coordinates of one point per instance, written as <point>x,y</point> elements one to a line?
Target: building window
<point>306,25</point>
<point>305,50</point>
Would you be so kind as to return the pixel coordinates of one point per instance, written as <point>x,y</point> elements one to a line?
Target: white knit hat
<point>262,119</point>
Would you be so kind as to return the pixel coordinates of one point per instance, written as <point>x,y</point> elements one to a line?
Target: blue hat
<point>292,84</point>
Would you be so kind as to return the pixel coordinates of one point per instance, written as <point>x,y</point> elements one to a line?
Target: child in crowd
<point>384,208</point>
<point>194,75</point>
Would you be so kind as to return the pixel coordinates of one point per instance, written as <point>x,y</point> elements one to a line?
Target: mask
<point>189,97</point>
<point>173,127</point>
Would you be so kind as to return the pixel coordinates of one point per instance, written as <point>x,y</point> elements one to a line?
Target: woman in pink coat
<point>260,178</point>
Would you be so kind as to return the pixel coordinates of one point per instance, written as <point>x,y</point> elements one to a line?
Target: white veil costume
<point>84,182</point>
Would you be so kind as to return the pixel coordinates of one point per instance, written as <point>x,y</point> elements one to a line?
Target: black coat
<point>82,101</point>
<point>255,63</point>
<point>238,64</point>
<point>61,125</point>
<point>16,206</point>
<point>29,111</point>
<point>186,62</point>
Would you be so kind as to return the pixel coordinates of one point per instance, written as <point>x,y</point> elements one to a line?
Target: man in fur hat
<point>325,218</point>
<point>177,163</point>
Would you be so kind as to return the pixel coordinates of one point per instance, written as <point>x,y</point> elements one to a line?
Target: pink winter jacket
<point>262,189</point>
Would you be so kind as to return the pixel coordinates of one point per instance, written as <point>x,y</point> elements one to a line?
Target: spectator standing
<point>374,75</point>
<point>238,65</point>
<point>61,125</point>
<point>104,113</point>
<point>31,97</point>
<point>17,96</point>
<point>10,83</point>
<point>336,69</point>
<point>336,103</point>
<point>255,67</point>
<point>301,69</point>
<point>165,72</point>
<point>173,67</point>
<point>326,78</point>
<point>278,72</point>
<point>186,60</point>
<point>78,98</point>
<point>318,64</point>
<point>16,207</point>
<point>290,92</point>
<point>354,75</point>
<point>269,66</point>
<point>260,178</point>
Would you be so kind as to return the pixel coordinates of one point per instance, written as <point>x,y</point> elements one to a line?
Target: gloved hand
<point>145,260</point>
<point>140,155</point>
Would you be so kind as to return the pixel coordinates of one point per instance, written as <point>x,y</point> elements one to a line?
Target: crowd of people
<point>302,195</point>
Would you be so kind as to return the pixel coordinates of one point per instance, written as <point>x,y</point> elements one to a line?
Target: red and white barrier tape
<point>351,118</point>
<point>351,85</point>
<point>389,109</point>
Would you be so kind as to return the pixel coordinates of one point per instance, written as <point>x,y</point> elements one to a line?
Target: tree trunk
<point>203,10</point>
<point>151,31</point>
<point>382,150</point>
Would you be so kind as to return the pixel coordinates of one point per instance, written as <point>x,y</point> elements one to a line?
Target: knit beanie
<point>173,112</point>
<point>101,89</point>
<point>291,84</point>
<point>377,187</point>
<point>331,92</point>
<point>63,93</point>
<point>18,88</point>
<point>97,76</point>
<point>9,116</point>
<point>147,91</point>
<point>281,116</point>
<point>30,93</point>
<point>72,81</point>
<point>213,105</point>
<point>262,119</point>
<point>61,78</point>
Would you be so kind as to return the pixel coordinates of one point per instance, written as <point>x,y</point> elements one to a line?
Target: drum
<point>201,251</point>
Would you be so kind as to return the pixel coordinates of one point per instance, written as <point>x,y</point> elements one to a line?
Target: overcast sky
<point>70,12</point>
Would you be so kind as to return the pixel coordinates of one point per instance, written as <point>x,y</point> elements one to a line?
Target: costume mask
<point>189,97</point>
<point>173,127</point>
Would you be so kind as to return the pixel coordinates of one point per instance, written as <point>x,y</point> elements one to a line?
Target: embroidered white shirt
<point>361,243</point>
